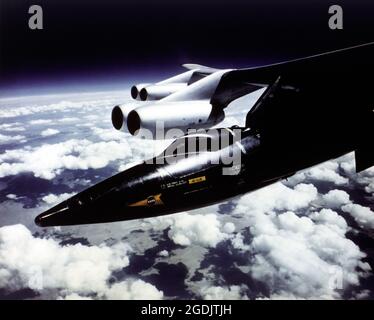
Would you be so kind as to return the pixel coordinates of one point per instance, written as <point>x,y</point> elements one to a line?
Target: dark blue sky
<point>127,40</point>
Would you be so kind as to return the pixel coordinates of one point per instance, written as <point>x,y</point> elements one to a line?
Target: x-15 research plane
<point>310,110</point>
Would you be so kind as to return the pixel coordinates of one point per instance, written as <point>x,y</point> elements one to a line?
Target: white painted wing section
<point>236,111</point>
<point>199,67</point>
<point>200,90</point>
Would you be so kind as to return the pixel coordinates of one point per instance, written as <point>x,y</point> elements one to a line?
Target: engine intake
<point>120,114</point>
<point>135,90</point>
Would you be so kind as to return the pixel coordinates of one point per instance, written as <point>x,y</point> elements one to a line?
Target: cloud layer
<point>74,270</point>
<point>291,238</point>
<point>50,160</point>
<point>304,256</point>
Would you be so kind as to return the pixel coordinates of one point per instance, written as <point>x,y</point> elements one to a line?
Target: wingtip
<point>199,67</point>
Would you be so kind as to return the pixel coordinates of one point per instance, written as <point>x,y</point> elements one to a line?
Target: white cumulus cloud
<point>40,121</point>
<point>76,271</point>
<point>42,263</point>
<point>336,198</point>
<point>49,132</point>
<point>223,293</point>
<point>133,290</point>
<point>49,160</point>
<point>370,188</point>
<point>54,199</point>
<point>362,215</point>
<point>163,253</point>
<point>277,197</point>
<point>4,139</point>
<point>299,256</point>
<point>205,230</point>
<point>327,171</point>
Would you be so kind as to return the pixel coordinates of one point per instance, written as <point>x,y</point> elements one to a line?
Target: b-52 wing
<point>322,98</point>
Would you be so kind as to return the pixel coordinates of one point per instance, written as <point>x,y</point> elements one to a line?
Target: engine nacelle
<point>181,115</point>
<point>120,114</point>
<point>159,91</point>
<point>163,88</point>
<point>135,90</point>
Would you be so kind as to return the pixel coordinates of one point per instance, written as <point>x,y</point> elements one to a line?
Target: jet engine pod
<point>159,91</point>
<point>135,90</point>
<point>154,120</point>
<point>120,114</point>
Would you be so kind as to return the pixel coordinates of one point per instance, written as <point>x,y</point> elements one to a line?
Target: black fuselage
<point>173,185</point>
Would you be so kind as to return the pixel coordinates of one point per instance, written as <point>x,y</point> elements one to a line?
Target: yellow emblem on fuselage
<point>149,202</point>
<point>197,180</point>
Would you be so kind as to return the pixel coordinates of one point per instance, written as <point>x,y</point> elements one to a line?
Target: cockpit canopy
<point>203,141</point>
